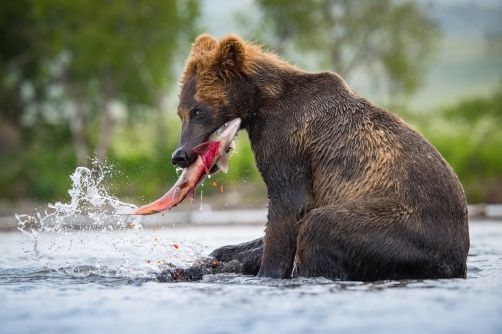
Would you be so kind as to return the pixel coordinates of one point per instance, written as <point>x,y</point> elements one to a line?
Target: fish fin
<point>191,195</point>
<point>222,163</point>
<point>200,149</point>
<point>180,186</point>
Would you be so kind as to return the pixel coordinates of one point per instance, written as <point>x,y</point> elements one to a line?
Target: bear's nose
<point>180,158</point>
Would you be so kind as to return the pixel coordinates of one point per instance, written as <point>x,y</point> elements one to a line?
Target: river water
<point>91,290</point>
<point>77,268</point>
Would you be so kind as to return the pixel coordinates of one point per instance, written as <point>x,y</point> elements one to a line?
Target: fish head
<point>226,134</point>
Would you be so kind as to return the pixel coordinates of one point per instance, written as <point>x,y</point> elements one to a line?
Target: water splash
<point>84,233</point>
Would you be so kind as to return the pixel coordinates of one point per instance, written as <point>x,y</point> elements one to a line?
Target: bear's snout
<point>182,158</point>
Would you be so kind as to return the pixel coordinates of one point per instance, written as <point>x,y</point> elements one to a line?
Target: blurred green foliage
<point>19,61</point>
<point>469,137</point>
<point>82,76</point>
<point>90,58</point>
<point>392,37</point>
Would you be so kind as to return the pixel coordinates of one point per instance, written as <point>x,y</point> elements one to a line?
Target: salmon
<point>209,153</point>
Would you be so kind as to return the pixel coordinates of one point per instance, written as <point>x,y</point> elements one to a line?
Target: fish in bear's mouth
<point>211,157</point>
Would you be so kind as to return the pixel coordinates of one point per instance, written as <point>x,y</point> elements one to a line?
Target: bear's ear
<point>203,44</point>
<point>231,57</point>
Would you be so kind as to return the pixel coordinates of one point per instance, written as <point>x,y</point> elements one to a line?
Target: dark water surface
<point>92,290</point>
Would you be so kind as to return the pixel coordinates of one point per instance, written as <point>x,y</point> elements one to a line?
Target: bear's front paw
<point>178,275</point>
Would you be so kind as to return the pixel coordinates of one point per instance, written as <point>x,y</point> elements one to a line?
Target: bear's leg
<point>279,246</point>
<point>368,241</point>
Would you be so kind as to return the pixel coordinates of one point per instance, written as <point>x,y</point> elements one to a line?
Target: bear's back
<point>358,149</point>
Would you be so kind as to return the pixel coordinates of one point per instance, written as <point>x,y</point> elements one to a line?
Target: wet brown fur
<point>355,193</point>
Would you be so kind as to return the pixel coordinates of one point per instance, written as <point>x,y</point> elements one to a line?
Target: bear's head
<point>221,82</point>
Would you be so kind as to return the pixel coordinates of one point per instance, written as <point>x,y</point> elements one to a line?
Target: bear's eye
<point>198,113</point>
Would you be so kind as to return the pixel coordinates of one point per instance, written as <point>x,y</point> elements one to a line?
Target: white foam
<point>64,235</point>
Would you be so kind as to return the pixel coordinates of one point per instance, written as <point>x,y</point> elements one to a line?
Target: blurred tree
<point>391,37</point>
<point>19,64</point>
<point>468,136</point>
<point>475,109</point>
<point>107,51</point>
<point>481,120</point>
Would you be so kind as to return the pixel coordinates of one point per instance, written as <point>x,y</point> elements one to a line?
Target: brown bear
<point>354,192</point>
